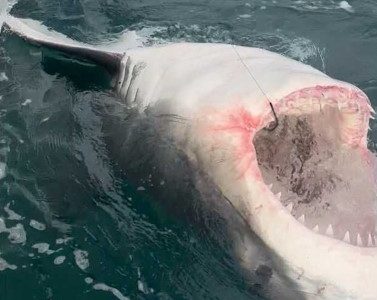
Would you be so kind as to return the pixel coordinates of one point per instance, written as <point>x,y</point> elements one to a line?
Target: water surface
<point>72,226</point>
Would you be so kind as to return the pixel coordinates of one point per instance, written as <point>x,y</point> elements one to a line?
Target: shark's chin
<point>317,164</point>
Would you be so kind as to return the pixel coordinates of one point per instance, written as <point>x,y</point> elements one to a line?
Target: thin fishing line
<point>260,88</point>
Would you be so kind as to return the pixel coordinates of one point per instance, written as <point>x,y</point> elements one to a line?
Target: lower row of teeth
<point>330,231</point>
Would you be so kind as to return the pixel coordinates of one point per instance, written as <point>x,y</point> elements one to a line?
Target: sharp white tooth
<point>330,231</point>
<point>278,195</point>
<point>316,228</point>
<point>359,241</point>
<point>289,207</point>
<point>302,219</point>
<point>347,237</point>
<point>370,243</point>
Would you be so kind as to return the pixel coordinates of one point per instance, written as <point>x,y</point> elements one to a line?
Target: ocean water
<point>72,224</point>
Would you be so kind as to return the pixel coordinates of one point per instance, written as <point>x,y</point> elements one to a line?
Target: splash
<point>5,7</point>
<point>346,6</point>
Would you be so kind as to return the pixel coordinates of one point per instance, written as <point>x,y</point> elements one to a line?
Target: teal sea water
<point>72,226</point>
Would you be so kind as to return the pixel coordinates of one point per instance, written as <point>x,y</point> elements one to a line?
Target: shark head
<point>307,187</point>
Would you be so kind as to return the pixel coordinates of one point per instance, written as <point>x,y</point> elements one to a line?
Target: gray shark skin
<point>296,200</point>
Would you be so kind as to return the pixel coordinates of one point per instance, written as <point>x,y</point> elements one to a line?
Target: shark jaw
<point>315,201</point>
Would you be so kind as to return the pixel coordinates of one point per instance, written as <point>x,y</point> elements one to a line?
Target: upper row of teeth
<point>330,230</point>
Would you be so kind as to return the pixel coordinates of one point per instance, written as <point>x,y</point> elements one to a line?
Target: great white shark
<point>284,144</point>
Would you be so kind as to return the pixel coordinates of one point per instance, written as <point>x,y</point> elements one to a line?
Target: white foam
<point>141,287</point>
<point>12,215</point>
<point>298,48</point>
<point>88,280</point>
<point>245,16</point>
<point>346,6</point>
<point>114,291</point>
<point>3,8</point>
<point>11,3</point>
<point>16,234</point>
<point>126,40</point>
<point>314,5</point>
<point>59,260</point>
<point>37,225</point>
<point>5,265</point>
<point>81,258</point>
<point>2,170</point>
<point>301,49</point>
<point>26,102</point>
<point>63,241</point>
<point>43,248</point>
<point>3,76</point>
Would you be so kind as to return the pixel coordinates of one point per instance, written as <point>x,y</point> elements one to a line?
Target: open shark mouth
<point>317,164</point>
